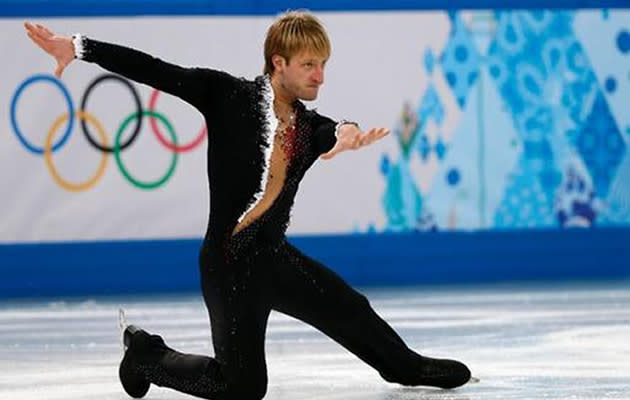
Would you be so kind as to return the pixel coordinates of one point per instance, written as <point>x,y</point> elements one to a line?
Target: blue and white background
<point>509,147</point>
<point>523,123</point>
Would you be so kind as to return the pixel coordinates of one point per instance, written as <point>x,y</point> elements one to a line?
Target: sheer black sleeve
<point>197,86</point>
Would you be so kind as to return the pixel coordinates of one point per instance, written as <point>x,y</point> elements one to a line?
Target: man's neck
<point>283,100</point>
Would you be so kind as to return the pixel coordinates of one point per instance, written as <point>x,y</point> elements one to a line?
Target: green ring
<point>137,183</point>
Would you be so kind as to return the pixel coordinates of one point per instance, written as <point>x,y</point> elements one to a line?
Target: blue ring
<point>16,96</point>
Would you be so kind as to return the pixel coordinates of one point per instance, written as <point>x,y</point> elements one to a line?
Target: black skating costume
<point>247,273</point>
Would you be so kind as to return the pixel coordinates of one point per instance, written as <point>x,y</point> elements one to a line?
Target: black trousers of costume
<point>239,297</point>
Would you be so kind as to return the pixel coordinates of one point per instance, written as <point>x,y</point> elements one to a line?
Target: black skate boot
<point>131,377</point>
<point>442,373</point>
<point>445,374</point>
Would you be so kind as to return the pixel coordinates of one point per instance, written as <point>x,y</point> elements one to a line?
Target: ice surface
<point>545,342</point>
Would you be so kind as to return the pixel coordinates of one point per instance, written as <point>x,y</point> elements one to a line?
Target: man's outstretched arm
<point>193,85</point>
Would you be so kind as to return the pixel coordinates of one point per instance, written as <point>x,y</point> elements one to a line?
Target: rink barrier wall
<point>171,266</point>
<point>161,266</point>
<point>74,8</point>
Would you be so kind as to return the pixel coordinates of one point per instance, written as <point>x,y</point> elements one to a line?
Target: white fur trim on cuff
<point>79,49</point>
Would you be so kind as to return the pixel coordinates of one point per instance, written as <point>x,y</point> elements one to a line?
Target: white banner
<point>494,135</point>
<point>373,64</point>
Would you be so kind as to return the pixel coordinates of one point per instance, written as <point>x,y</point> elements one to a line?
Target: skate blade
<point>122,319</point>
<point>122,325</point>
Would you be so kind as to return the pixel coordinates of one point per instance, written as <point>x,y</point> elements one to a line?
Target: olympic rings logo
<point>102,144</point>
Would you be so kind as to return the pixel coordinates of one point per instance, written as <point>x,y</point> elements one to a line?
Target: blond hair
<point>293,32</point>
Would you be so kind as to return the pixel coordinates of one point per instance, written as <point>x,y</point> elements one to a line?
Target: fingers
<point>330,154</point>
<point>38,30</point>
<point>32,29</point>
<point>373,135</point>
<point>382,133</point>
<point>45,32</point>
<point>33,33</point>
<point>367,137</point>
<point>38,41</point>
<point>59,70</point>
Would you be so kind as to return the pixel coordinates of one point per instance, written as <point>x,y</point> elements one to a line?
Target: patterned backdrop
<point>524,124</point>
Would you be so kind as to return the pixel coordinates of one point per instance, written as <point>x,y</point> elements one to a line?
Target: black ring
<point>136,98</point>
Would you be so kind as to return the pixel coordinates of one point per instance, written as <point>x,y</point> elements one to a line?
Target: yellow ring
<point>70,186</point>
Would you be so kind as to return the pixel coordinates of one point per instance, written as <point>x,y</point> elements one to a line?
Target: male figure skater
<point>262,141</point>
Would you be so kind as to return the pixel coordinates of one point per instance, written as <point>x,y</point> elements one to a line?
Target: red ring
<point>176,148</point>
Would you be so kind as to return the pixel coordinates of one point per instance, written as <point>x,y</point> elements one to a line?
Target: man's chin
<point>308,96</point>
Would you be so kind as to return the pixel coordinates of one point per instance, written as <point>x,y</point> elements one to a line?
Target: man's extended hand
<point>350,137</point>
<point>60,47</point>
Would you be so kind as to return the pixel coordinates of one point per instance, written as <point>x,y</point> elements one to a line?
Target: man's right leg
<point>238,310</point>
<point>238,301</point>
<point>149,360</point>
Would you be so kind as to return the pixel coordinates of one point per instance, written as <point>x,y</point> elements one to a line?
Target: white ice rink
<point>545,342</point>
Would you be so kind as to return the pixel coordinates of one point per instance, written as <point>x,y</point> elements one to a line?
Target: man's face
<point>302,75</point>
